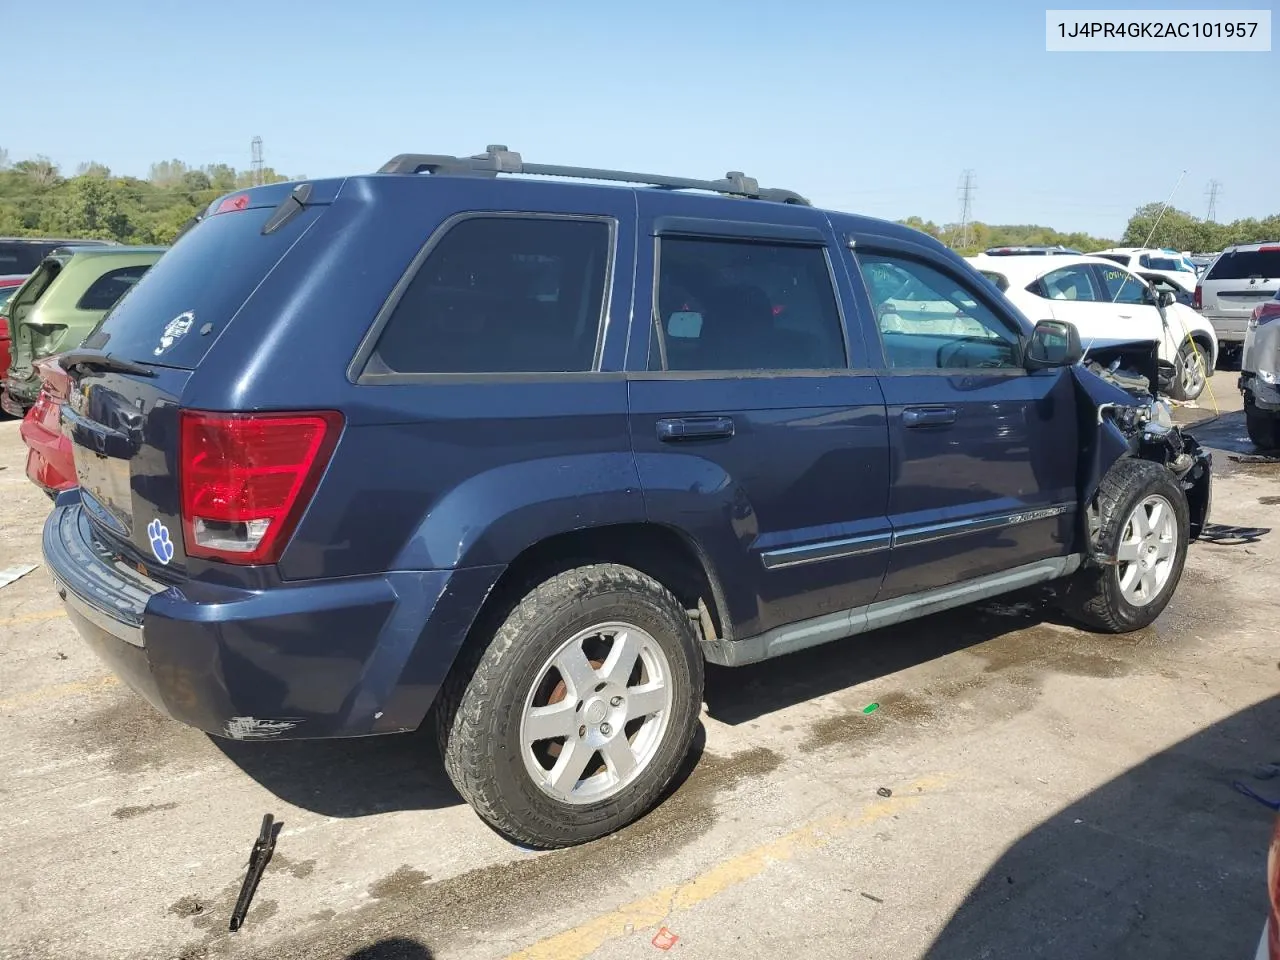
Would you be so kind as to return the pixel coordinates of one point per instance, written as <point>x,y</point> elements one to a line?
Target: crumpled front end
<point>1116,422</point>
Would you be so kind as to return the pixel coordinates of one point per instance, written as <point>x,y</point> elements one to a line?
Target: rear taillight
<point>4,326</point>
<point>245,479</point>
<point>1265,313</point>
<point>40,409</point>
<point>1197,298</point>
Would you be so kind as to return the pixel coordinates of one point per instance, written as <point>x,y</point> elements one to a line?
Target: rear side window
<point>1246,264</point>
<point>110,287</point>
<point>1071,283</point>
<point>183,302</point>
<point>746,305</point>
<point>502,295</point>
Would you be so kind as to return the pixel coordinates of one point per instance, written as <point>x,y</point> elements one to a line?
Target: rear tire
<point>1263,426</point>
<point>1143,527</point>
<point>604,661</point>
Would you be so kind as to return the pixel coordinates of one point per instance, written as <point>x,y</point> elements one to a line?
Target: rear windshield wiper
<point>102,361</point>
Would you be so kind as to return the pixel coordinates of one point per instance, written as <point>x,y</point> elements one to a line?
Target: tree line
<point>37,199</point>
<point>1148,227</point>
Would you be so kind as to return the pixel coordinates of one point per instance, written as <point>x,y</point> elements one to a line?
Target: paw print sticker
<point>161,545</point>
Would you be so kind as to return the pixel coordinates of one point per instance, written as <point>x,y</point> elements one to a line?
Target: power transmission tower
<point>256,166</point>
<point>967,189</point>
<point>1213,190</point>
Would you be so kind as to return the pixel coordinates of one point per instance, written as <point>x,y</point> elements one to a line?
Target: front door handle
<point>928,416</point>
<point>695,428</point>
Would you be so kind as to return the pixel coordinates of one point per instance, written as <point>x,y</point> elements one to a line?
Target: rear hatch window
<point>1247,264</point>
<point>174,313</point>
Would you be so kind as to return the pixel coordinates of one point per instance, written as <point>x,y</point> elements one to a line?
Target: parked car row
<point>70,289</point>
<point>1106,301</point>
<point>70,285</point>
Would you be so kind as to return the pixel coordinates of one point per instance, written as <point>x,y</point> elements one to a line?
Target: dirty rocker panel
<point>846,623</point>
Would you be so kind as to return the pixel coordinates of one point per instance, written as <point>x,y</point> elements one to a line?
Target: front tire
<point>1191,373</point>
<point>573,719</point>
<point>1142,530</point>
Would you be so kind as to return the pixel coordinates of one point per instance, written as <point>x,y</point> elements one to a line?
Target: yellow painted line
<point>33,617</point>
<point>650,911</point>
<point>60,691</point>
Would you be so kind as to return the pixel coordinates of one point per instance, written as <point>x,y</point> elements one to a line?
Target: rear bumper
<point>328,658</point>
<point>50,463</point>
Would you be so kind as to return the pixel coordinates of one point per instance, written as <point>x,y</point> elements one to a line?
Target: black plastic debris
<point>260,856</point>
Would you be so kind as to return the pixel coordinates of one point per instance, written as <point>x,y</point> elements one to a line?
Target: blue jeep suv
<point>517,450</point>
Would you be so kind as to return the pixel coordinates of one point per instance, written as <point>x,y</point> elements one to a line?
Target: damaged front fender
<point>1115,423</point>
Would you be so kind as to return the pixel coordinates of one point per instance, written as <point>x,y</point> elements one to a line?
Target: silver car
<point>1242,277</point>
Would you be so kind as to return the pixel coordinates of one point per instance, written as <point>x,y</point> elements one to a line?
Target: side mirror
<point>1054,343</point>
<point>1165,298</point>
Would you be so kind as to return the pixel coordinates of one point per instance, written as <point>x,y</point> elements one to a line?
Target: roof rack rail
<point>498,159</point>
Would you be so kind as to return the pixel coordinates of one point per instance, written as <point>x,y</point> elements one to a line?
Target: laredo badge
<point>174,331</point>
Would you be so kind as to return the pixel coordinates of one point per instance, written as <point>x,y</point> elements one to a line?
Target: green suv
<point>62,300</point>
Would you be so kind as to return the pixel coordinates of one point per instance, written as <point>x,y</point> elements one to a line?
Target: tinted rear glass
<point>203,279</point>
<point>1162,263</point>
<point>502,295</point>
<point>1244,264</point>
<point>110,287</point>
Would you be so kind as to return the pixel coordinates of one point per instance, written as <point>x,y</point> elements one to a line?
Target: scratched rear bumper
<point>331,658</point>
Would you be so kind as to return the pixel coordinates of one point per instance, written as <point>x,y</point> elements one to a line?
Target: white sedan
<point>1108,302</point>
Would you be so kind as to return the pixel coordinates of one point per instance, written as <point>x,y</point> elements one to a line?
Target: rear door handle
<point>695,428</point>
<point>928,416</point>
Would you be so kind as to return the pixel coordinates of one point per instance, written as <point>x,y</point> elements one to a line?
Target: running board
<point>885,613</point>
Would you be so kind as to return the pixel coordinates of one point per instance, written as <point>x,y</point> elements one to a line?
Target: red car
<point>50,465</point>
<point>8,287</point>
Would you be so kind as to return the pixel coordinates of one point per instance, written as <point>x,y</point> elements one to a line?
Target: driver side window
<point>1122,286</point>
<point>928,320</point>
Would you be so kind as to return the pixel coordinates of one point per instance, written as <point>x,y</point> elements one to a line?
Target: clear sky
<point>875,108</point>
